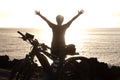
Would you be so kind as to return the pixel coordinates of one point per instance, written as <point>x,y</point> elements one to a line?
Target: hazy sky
<point>97,13</point>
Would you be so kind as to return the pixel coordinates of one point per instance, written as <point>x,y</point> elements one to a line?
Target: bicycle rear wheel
<point>73,69</point>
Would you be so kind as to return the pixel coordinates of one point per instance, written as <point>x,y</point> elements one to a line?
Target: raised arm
<point>44,18</point>
<point>79,13</point>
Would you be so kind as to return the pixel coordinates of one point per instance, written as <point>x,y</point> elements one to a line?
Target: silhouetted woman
<point>58,41</point>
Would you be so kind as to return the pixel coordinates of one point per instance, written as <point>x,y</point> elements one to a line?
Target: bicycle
<point>27,69</point>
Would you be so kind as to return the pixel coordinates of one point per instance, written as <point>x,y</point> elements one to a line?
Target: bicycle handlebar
<point>35,42</point>
<point>21,33</point>
<point>23,36</point>
<point>32,41</point>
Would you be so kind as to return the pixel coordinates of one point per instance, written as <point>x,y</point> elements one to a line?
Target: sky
<point>97,13</point>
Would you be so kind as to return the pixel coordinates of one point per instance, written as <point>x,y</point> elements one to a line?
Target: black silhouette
<point>58,42</point>
<point>74,68</point>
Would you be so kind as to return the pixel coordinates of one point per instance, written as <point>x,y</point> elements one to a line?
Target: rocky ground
<point>4,74</point>
<point>97,70</point>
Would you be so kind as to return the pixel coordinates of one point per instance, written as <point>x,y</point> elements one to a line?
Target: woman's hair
<point>59,19</point>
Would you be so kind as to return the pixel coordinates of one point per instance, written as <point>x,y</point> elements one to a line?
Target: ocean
<point>102,43</point>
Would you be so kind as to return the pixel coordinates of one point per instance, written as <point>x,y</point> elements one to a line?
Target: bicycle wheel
<point>73,69</point>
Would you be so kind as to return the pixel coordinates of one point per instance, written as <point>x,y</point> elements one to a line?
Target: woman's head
<point>59,19</point>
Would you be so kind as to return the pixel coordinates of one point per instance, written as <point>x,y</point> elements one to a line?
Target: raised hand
<point>81,11</point>
<point>37,12</point>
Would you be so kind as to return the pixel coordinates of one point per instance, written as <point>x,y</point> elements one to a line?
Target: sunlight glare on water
<point>71,37</point>
<point>45,36</point>
<point>76,37</point>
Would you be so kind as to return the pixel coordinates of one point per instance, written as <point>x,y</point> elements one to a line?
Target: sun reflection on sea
<point>72,36</point>
<point>76,37</point>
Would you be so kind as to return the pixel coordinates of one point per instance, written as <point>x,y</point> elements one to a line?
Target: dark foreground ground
<point>4,74</point>
<point>96,70</point>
